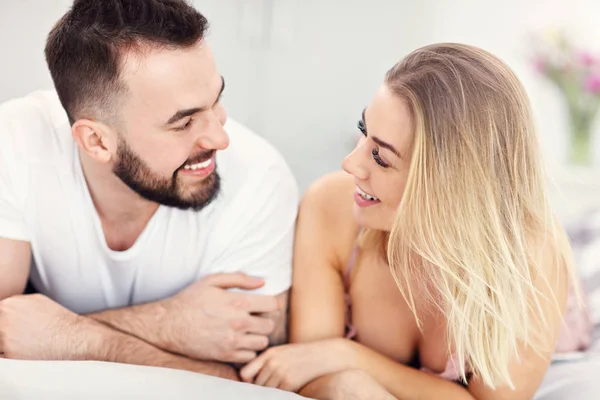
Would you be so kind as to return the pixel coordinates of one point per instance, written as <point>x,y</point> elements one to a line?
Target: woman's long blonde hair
<point>475,212</point>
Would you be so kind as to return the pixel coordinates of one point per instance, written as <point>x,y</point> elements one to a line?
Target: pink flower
<point>586,58</point>
<point>539,64</point>
<point>592,83</point>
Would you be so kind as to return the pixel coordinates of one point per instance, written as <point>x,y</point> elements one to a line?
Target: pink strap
<point>349,268</point>
<point>350,329</point>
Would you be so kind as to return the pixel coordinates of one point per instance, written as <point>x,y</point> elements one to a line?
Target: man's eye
<point>184,127</point>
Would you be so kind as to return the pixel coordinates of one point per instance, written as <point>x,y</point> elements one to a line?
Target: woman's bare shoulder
<point>331,197</point>
<point>327,208</point>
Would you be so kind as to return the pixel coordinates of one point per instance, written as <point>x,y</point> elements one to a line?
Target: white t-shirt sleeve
<point>12,222</point>
<point>260,231</point>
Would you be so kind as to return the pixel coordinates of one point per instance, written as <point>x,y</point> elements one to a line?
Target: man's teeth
<point>201,165</point>
<point>366,196</point>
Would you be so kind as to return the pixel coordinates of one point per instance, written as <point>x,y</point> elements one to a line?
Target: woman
<point>437,253</point>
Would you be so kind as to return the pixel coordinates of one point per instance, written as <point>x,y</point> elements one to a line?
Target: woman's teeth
<point>365,195</point>
<point>201,165</point>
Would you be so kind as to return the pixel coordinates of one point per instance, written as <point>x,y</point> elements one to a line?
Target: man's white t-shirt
<point>44,200</point>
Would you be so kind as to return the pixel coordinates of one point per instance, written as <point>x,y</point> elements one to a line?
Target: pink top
<point>575,334</point>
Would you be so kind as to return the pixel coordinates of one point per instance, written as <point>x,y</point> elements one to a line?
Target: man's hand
<point>205,321</point>
<point>280,317</point>
<point>33,327</point>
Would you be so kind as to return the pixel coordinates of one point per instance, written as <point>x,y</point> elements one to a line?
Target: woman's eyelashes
<point>361,127</point>
<point>377,158</point>
<point>374,151</point>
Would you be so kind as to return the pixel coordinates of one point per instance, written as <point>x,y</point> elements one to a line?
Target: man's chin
<point>196,198</point>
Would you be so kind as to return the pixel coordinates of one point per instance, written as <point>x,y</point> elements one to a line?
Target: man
<point>157,232</point>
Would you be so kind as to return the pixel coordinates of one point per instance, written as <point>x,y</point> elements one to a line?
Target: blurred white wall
<point>299,72</point>
<point>24,25</point>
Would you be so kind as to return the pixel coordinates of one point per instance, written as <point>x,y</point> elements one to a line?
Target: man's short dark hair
<point>85,49</point>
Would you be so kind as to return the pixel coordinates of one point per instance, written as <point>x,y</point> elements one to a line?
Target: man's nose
<point>214,136</point>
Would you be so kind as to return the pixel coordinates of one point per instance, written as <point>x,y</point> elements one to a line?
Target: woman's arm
<point>317,309</point>
<point>351,384</point>
<point>403,382</point>
<point>406,383</point>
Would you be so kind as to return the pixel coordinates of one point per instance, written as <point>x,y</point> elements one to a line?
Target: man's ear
<point>95,138</point>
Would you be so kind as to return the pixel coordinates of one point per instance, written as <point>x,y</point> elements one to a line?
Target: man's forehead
<point>166,80</point>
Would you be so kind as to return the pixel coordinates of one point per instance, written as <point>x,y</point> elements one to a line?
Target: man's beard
<point>134,172</point>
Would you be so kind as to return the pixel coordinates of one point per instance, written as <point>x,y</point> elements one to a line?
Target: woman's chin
<point>367,219</point>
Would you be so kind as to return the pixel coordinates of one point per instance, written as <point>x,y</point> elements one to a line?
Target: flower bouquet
<point>576,73</point>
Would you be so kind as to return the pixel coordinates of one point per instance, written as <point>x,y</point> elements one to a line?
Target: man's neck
<point>123,213</point>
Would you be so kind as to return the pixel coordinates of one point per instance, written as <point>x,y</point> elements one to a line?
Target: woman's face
<point>381,160</point>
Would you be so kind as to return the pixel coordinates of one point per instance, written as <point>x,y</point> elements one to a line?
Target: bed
<point>46,380</point>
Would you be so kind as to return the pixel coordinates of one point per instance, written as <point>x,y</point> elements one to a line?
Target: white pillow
<point>47,380</point>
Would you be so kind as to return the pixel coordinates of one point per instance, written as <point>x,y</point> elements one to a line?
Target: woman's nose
<point>354,162</point>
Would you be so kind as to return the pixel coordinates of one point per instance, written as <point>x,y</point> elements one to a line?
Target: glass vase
<point>580,151</point>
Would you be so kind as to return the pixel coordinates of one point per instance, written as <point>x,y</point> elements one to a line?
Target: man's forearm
<point>99,342</point>
<point>142,321</point>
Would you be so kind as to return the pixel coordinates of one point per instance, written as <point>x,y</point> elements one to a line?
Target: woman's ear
<point>95,139</point>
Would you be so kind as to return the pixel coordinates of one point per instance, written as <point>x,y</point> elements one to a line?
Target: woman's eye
<point>378,159</point>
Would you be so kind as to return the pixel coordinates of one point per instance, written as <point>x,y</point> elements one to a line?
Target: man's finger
<point>253,342</point>
<point>242,357</point>
<point>261,326</point>
<point>261,304</point>
<point>235,280</point>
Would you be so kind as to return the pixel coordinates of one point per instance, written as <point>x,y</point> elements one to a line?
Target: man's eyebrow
<point>378,141</point>
<point>184,113</point>
<point>191,111</point>
<point>222,89</point>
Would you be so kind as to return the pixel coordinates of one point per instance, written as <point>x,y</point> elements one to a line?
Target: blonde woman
<point>434,267</point>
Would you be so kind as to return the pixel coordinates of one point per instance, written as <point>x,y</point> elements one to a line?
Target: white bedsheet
<point>33,380</point>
